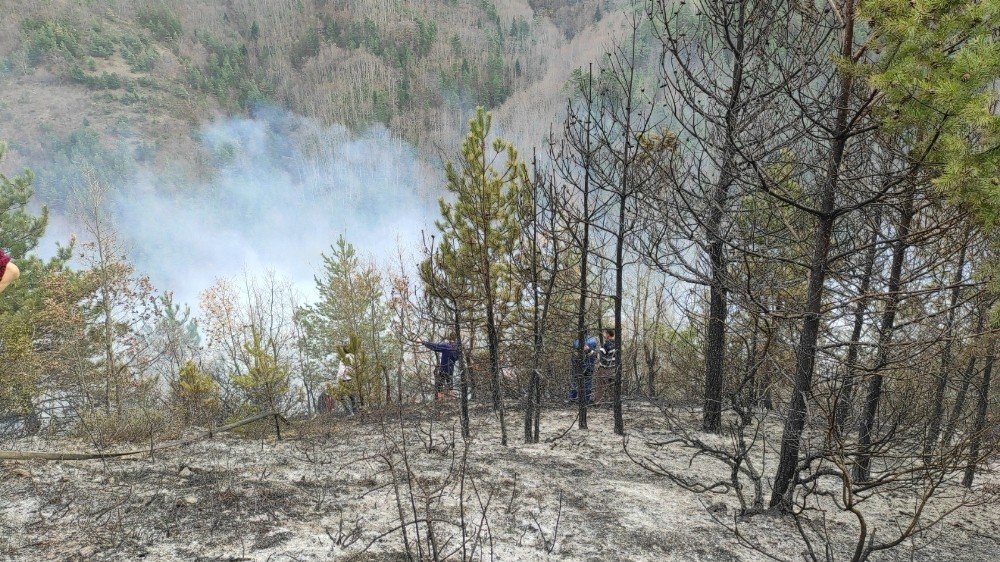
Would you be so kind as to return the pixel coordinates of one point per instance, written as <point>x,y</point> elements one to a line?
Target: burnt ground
<point>335,488</point>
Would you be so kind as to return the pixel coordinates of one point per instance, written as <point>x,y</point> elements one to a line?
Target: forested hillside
<point>441,280</point>
<point>148,72</point>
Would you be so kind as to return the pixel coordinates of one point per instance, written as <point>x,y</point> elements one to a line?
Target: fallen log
<point>46,456</point>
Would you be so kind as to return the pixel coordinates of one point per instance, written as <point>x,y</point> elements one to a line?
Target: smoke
<point>283,189</point>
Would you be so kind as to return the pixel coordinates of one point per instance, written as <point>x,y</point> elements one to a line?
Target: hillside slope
<point>326,493</point>
<point>139,76</point>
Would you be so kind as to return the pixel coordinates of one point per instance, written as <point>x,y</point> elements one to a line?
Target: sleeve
<point>439,347</point>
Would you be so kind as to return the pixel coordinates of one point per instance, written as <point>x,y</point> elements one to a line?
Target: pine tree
<point>19,229</point>
<point>938,72</point>
<point>481,229</point>
<point>351,310</point>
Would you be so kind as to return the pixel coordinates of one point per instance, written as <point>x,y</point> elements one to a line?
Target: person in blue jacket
<point>445,372</point>
<point>583,366</point>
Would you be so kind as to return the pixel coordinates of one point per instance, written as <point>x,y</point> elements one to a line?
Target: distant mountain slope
<point>139,76</point>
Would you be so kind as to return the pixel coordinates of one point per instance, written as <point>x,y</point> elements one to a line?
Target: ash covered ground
<point>336,488</point>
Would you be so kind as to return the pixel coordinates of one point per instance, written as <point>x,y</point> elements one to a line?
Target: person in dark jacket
<point>607,362</point>
<point>445,372</point>
<point>583,367</point>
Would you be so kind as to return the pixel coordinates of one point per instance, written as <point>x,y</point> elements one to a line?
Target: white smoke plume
<point>284,188</point>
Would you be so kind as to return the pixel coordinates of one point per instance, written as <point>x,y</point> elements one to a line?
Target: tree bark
<point>941,380</point>
<point>715,336</point>
<point>862,468</point>
<point>805,353</point>
<point>979,425</point>
<point>845,402</point>
<point>581,320</point>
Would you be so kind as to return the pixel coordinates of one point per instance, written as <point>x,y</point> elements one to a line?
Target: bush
<point>197,395</point>
<point>101,46</point>
<point>139,53</point>
<point>305,48</point>
<point>162,22</point>
<point>44,37</point>
<point>132,425</point>
<point>228,73</point>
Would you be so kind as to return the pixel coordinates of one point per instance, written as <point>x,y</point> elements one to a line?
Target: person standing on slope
<point>345,374</point>
<point>8,271</point>
<point>583,368</point>
<point>607,362</point>
<point>445,372</point>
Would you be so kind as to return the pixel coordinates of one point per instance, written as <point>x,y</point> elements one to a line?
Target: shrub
<point>162,22</point>
<point>131,425</point>
<point>44,37</point>
<point>100,46</point>
<point>197,394</point>
<point>139,53</point>
<point>305,48</point>
<point>228,73</point>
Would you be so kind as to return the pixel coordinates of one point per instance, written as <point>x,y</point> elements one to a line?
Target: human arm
<point>440,346</point>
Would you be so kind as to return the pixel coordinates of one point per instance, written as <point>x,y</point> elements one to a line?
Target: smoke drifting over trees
<point>751,269</point>
<point>284,187</point>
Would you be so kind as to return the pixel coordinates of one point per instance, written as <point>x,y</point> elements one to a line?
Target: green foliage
<point>75,152</point>
<point>229,74</point>
<point>495,88</point>
<point>43,37</point>
<point>139,53</point>
<point>351,317</point>
<point>37,306</point>
<point>382,105</point>
<point>305,48</point>
<point>403,94</point>
<point>938,71</point>
<point>488,86</point>
<point>490,9</point>
<point>426,33</point>
<point>103,81</point>
<point>266,381</point>
<point>364,35</point>
<point>20,230</point>
<point>197,393</point>
<point>520,29</point>
<point>100,45</point>
<point>481,228</point>
<point>162,22</point>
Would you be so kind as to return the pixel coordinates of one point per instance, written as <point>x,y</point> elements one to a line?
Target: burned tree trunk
<point>937,405</point>
<point>862,467</point>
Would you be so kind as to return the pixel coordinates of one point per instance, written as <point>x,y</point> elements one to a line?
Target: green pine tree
<point>482,227</point>
<point>938,70</point>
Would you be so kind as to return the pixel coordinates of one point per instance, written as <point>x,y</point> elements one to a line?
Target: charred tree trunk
<point>463,383</point>
<point>805,353</point>
<point>619,292</point>
<point>493,342</point>
<point>937,406</point>
<point>845,401</point>
<point>581,319</point>
<point>715,336</point>
<point>963,391</point>
<point>979,425</point>
<point>862,468</point>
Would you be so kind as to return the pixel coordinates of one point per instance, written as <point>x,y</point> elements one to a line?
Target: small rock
<point>20,472</point>
<point>187,500</point>
<point>87,552</point>
<point>185,472</point>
